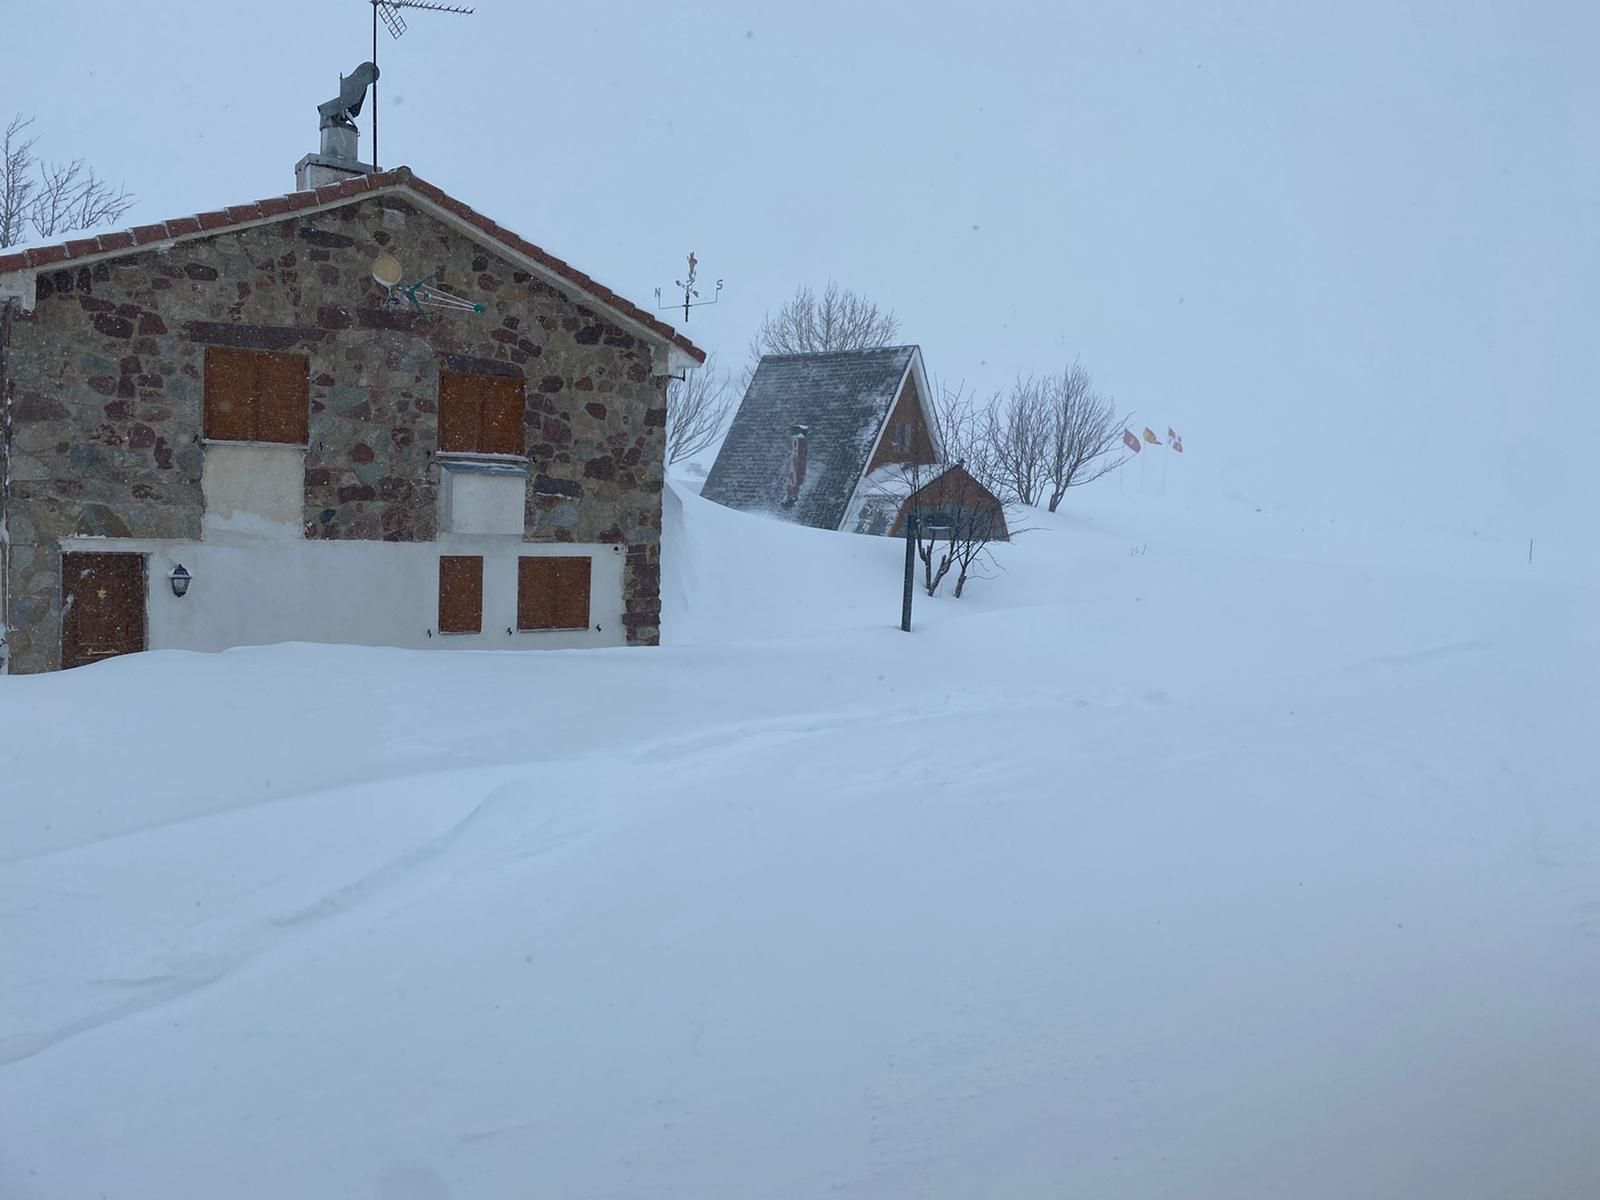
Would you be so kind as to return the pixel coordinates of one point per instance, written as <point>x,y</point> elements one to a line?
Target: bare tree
<point>43,199</point>
<point>1017,440</point>
<point>955,501</point>
<point>1084,433</point>
<point>837,320</point>
<point>979,523</point>
<point>698,407</point>
<point>16,180</point>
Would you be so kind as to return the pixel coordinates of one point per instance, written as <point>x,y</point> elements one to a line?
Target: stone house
<point>361,412</point>
<point>844,440</point>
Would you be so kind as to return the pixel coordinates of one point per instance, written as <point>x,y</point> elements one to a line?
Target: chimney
<point>797,463</point>
<point>339,159</point>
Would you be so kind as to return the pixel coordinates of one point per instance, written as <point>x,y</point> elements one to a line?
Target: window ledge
<point>473,456</point>
<point>208,441</point>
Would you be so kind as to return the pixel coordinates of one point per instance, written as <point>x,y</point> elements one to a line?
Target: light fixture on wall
<point>179,579</point>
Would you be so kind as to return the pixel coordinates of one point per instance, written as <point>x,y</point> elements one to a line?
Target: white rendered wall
<point>253,590</point>
<point>254,480</point>
<point>478,502</point>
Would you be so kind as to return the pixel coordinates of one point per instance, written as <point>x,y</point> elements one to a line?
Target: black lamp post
<point>180,579</point>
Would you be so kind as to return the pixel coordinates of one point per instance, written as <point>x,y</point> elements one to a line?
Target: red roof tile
<point>333,193</point>
<point>38,258</point>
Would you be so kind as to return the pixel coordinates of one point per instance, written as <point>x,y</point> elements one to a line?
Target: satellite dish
<point>386,270</point>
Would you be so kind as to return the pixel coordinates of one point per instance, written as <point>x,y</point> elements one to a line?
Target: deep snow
<point>1203,852</point>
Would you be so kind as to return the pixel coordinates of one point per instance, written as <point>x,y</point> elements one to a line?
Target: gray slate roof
<point>843,398</point>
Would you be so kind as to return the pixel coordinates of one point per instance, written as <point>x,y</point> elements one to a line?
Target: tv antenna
<point>420,293</point>
<point>389,12</point>
<point>691,297</point>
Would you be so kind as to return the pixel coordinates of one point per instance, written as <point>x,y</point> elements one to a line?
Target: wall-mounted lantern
<point>179,579</point>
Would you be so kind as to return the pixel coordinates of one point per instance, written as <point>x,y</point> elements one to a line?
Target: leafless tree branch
<point>808,324</point>
<point>956,519</point>
<point>16,180</point>
<point>44,199</point>
<point>1017,439</point>
<point>698,408</point>
<point>1083,433</point>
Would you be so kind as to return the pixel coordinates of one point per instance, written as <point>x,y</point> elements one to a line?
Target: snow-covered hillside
<point>1203,852</point>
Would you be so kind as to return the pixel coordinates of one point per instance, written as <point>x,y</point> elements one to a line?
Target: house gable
<point>907,436</point>
<point>954,494</point>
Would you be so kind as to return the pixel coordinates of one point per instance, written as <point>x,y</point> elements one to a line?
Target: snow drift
<point>1197,853</point>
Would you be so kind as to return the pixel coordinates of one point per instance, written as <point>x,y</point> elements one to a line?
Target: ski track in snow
<point>158,989</point>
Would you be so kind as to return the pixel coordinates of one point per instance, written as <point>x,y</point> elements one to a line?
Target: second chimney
<point>797,463</point>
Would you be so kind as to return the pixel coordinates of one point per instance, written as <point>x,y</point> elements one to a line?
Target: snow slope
<point>1202,852</point>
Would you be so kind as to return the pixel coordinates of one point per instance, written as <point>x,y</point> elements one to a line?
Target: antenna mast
<point>389,10</point>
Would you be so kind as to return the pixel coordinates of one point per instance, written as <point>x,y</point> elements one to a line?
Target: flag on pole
<point>1150,436</point>
<point>1174,440</point>
<point>1131,442</point>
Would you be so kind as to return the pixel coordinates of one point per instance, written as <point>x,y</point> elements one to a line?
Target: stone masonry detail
<point>104,381</point>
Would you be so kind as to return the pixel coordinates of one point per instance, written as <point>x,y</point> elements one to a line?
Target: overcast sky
<point>1350,251</point>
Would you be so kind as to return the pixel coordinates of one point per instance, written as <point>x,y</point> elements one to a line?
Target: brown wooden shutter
<point>572,593</point>
<point>230,387</point>
<point>458,413</point>
<point>283,398</point>
<point>502,416</point>
<point>536,593</point>
<point>255,397</point>
<point>553,593</point>
<point>461,593</point>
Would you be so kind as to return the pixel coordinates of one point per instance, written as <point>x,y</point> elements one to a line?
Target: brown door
<point>102,607</point>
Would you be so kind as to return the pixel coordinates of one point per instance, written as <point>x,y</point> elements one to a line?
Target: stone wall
<point>106,390</point>
<point>6,308</point>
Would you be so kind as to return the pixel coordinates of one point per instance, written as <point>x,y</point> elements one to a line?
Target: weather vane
<point>389,10</point>
<point>691,297</point>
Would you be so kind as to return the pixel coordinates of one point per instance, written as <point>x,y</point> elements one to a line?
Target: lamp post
<point>180,579</point>
<point>911,571</point>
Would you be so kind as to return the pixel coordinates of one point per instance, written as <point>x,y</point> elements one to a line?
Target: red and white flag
<point>1174,440</point>
<point>1131,442</point>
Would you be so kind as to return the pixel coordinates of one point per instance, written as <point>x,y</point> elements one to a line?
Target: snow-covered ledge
<point>21,287</point>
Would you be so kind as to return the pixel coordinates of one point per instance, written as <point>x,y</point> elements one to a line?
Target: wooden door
<point>102,607</point>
